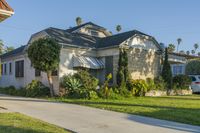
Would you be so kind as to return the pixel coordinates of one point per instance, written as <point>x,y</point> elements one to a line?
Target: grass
<point>18,123</point>
<point>184,109</point>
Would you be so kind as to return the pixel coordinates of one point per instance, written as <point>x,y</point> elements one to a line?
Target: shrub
<point>87,80</point>
<point>159,83</point>
<point>36,89</point>
<point>139,87</point>
<point>76,85</point>
<point>70,83</point>
<point>181,82</point>
<point>192,68</point>
<point>150,84</point>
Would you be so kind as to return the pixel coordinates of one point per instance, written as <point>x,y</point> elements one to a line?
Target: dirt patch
<point>4,110</point>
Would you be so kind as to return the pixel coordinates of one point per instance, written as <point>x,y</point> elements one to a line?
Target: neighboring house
<point>86,46</point>
<point>5,10</point>
<point>178,62</point>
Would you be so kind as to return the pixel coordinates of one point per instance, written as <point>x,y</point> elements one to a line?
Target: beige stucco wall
<point>66,59</point>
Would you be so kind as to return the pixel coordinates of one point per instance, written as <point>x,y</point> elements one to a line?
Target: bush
<point>139,87</point>
<point>192,68</point>
<point>87,80</point>
<point>150,84</point>
<point>181,82</point>
<point>159,83</point>
<point>76,85</point>
<point>37,89</point>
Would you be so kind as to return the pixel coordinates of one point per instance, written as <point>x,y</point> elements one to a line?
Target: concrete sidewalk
<point>83,119</point>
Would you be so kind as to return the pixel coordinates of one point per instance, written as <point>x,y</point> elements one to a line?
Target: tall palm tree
<point>179,40</point>
<point>196,46</point>
<point>1,47</point>
<point>188,52</point>
<point>171,47</point>
<point>118,28</point>
<point>78,21</point>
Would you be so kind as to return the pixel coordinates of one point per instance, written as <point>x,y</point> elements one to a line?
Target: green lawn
<point>17,123</point>
<point>185,109</point>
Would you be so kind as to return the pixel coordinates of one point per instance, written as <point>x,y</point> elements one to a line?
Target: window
<point>19,68</point>
<point>177,70</point>
<point>94,33</point>
<point>5,69</point>
<point>37,73</point>
<point>10,68</point>
<point>193,78</point>
<point>1,69</point>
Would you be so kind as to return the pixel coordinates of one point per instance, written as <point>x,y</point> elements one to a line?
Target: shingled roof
<point>72,39</point>
<point>82,25</point>
<point>81,40</point>
<point>15,52</point>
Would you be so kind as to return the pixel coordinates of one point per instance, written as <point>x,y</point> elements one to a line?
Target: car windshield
<point>193,78</point>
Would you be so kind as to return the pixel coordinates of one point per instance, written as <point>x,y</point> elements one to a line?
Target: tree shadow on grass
<point>163,123</point>
<point>11,129</point>
<point>162,112</point>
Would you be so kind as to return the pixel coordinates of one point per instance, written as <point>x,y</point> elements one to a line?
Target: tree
<point>192,68</point>
<point>171,48</point>
<point>118,28</point>
<point>8,49</point>
<point>44,55</point>
<point>1,47</point>
<point>166,71</point>
<point>198,53</point>
<point>196,46</point>
<point>125,64</point>
<point>179,40</point>
<point>78,21</point>
<point>120,71</point>
<point>188,52</point>
<point>192,51</point>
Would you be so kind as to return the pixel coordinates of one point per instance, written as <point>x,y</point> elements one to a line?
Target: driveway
<point>83,119</point>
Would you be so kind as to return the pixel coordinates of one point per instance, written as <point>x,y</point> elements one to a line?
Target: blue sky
<point>165,20</point>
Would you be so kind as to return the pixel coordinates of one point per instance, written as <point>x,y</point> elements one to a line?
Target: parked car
<point>195,83</point>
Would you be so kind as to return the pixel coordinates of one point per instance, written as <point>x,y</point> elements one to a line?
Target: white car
<point>195,83</point>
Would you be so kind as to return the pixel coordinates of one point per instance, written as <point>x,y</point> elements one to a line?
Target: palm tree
<point>188,52</point>
<point>179,40</point>
<point>1,47</point>
<point>193,52</point>
<point>196,46</point>
<point>8,49</point>
<point>78,21</point>
<point>171,47</point>
<point>118,28</point>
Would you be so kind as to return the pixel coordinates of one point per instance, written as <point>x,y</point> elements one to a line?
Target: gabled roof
<point>117,39</point>
<point>72,39</point>
<point>81,40</point>
<point>5,10</point>
<point>15,52</point>
<point>82,25</point>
